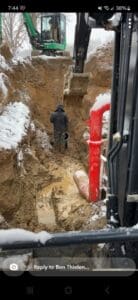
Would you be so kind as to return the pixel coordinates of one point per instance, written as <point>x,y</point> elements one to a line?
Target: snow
<point>100,212</point>
<point>113,220</point>
<point>86,135</point>
<point>14,123</point>
<point>101,245</point>
<point>123,250</point>
<point>24,52</point>
<point>101,99</point>
<point>115,19</point>
<point>106,116</point>
<point>43,236</point>
<point>19,157</point>
<point>3,63</point>
<point>20,60</point>
<point>3,87</point>
<point>23,96</point>
<point>47,57</point>
<point>135,226</point>
<point>105,200</point>
<point>103,208</point>
<point>43,139</point>
<point>10,236</point>
<point>32,126</point>
<point>94,217</point>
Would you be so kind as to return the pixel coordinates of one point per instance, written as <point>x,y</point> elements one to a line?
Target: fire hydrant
<point>95,141</point>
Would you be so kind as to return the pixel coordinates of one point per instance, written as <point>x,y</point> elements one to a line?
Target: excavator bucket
<point>75,85</point>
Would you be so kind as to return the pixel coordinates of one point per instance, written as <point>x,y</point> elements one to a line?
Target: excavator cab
<point>53,31</point>
<point>51,37</point>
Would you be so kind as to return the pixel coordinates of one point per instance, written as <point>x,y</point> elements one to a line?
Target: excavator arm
<point>34,35</point>
<point>81,42</point>
<point>76,81</point>
<point>85,23</point>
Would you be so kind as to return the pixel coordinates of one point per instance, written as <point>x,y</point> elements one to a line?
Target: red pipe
<point>95,123</point>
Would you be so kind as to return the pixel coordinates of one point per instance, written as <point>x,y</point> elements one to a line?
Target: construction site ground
<point>40,194</point>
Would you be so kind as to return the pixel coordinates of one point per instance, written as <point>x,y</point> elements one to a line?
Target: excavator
<point>51,39</point>
<point>121,234</point>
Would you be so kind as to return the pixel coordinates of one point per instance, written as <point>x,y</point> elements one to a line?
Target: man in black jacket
<point>60,123</point>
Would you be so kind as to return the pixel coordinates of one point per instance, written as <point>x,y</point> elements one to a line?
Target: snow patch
<point>113,220</point>
<point>43,139</point>
<point>101,99</point>
<point>3,63</point>
<point>86,135</point>
<point>11,236</point>
<point>106,116</point>
<point>103,208</point>
<point>20,60</point>
<point>19,157</point>
<point>94,217</point>
<point>14,123</point>
<point>115,19</point>
<point>101,246</point>
<point>99,212</point>
<point>24,52</point>
<point>43,236</point>
<point>123,250</point>
<point>32,126</point>
<point>46,57</point>
<point>3,87</point>
<point>23,96</point>
<point>135,226</point>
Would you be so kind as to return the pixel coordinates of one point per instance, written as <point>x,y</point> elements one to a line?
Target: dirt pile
<point>5,51</point>
<point>40,194</point>
<point>100,66</point>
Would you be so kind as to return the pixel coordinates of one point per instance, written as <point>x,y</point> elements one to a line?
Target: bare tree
<point>35,17</point>
<point>13,30</point>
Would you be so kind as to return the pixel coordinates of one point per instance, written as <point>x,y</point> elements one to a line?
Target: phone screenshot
<point>68,142</point>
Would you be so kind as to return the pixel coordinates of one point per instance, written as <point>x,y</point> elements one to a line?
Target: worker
<point>54,30</point>
<point>60,123</point>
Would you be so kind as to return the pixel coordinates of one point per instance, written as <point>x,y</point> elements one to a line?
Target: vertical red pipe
<point>95,123</point>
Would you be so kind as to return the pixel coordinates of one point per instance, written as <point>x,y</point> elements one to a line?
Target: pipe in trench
<point>122,234</point>
<point>95,142</point>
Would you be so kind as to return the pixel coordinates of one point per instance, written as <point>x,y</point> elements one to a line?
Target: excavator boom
<point>76,81</point>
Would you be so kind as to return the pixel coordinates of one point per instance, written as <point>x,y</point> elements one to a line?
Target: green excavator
<point>51,39</point>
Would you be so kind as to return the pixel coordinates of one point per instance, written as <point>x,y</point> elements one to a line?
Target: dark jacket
<point>59,119</point>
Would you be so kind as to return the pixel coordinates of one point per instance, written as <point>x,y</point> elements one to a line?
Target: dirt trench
<point>45,197</point>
